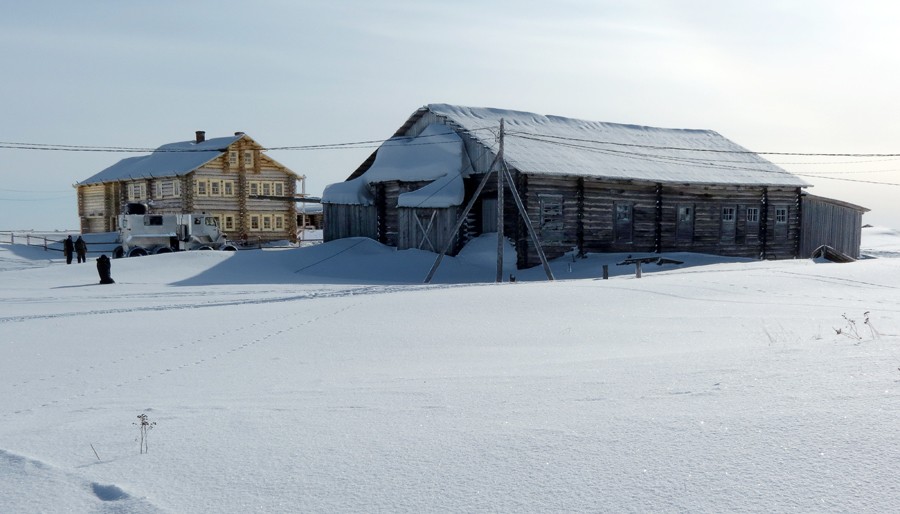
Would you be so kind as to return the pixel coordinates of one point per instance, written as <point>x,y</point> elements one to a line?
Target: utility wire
<point>701,163</point>
<point>373,143</point>
<point>404,140</point>
<point>570,142</point>
<point>711,150</point>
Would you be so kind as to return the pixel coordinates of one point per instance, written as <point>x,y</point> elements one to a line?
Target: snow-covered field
<point>329,379</point>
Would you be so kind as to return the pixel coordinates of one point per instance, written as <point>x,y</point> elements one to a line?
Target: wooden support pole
<point>528,225</point>
<point>500,208</point>
<point>459,222</point>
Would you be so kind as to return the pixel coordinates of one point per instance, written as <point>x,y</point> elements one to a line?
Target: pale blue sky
<point>789,76</point>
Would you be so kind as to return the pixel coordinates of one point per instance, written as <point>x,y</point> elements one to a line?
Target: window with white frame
<point>228,187</point>
<point>165,189</point>
<point>200,187</point>
<point>229,222</point>
<point>781,215</point>
<point>248,158</point>
<point>278,188</point>
<point>254,222</point>
<point>137,191</point>
<point>728,214</point>
<point>267,188</point>
<point>753,215</point>
<point>215,188</point>
<point>279,221</point>
<point>254,188</point>
<point>233,158</point>
<point>267,222</point>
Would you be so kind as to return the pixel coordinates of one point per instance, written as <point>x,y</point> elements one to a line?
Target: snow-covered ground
<point>330,379</point>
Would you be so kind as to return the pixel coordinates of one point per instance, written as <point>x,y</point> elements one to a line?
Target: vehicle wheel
<point>229,248</point>
<point>118,253</point>
<point>163,249</point>
<point>205,248</point>
<point>137,252</point>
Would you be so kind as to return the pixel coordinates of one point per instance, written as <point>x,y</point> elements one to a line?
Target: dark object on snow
<point>637,261</point>
<point>68,249</point>
<point>104,267</point>
<point>81,250</point>
<point>830,254</point>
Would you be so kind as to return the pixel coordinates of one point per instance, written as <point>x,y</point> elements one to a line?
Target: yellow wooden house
<point>227,177</point>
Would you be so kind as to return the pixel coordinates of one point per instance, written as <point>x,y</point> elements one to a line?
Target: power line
<point>372,143</point>
<point>697,162</point>
<point>30,191</point>
<point>571,142</point>
<point>710,150</point>
<point>859,181</point>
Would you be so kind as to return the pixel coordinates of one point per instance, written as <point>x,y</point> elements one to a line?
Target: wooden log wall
<point>742,239</point>
<point>92,208</point>
<point>386,196</point>
<point>783,238</point>
<point>589,211</point>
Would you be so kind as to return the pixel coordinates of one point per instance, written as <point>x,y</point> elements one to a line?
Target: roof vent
<point>239,133</point>
<point>201,136</point>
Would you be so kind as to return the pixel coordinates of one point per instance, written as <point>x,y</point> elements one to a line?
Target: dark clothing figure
<point>81,249</point>
<point>104,267</point>
<point>68,249</point>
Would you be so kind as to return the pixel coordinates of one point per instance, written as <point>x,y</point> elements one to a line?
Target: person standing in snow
<point>81,250</point>
<point>104,267</point>
<point>68,248</point>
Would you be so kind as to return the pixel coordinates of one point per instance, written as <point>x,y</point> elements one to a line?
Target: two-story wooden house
<point>219,176</point>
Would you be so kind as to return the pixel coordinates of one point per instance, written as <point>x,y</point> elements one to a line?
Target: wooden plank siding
<point>833,223</point>
<point>426,228</point>
<point>342,221</point>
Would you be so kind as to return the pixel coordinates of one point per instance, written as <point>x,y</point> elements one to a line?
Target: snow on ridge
<point>435,155</point>
<point>169,160</point>
<point>557,145</point>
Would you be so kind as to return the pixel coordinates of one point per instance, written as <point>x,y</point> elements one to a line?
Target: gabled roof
<point>170,160</point>
<point>434,156</point>
<point>536,143</point>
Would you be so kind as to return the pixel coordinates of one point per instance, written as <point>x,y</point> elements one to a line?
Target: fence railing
<point>54,242</point>
<point>47,241</point>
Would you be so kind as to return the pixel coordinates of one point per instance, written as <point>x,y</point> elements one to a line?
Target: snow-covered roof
<point>435,155</point>
<point>170,160</point>
<point>536,143</point>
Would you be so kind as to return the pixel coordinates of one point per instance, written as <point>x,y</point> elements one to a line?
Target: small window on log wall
<point>781,222</point>
<point>728,223</point>
<point>551,218</point>
<point>684,229</point>
<point>624,213</point>
<point>752,230</point>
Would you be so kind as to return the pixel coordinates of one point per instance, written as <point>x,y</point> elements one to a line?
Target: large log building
<point>587,186</point>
